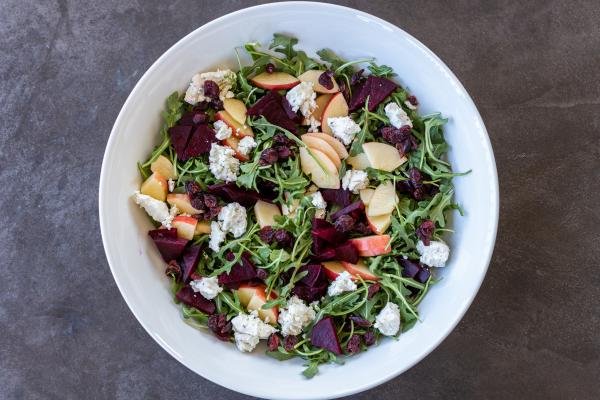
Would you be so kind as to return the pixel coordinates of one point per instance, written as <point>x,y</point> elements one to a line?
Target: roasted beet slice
<point>356,210</point>
<point>192,118</point>
<point>423,275</point>
<point>287,107</point>
<point>376,88</point>
<point>169,245</point>
<point>341,197</point>
<point>189,260</point>
<point>308,293</point>
<point>410,268</point>
<point>315,274</point>
<point>242,272</point>
<point>271,107</point>
<point>229,192</point>
<point>324,254</point>
<point>180,135</point>
<point>324,335</point>
<point>190,298</point>
<point>314,285</point>
<point>200,142</point>
<point>346,252</point>
<point>325,230</point>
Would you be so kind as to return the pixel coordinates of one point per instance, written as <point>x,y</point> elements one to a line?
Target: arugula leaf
<point>311,370</point>
<point>284,44</point>
<point>381,70</point>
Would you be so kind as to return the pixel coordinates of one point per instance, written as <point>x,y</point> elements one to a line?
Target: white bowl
<point>139,270</point>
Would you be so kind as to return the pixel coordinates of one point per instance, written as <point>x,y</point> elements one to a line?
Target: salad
<point>299,201</point>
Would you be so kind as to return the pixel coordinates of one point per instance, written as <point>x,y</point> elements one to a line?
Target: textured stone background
<point>533,69</point>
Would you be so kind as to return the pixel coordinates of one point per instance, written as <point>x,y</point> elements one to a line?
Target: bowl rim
<point>485,256</point>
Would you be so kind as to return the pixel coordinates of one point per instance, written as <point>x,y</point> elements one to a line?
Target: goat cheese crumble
<point>231,218</point>
<point>222,130</point>
<point>343,283</point>
<point>343,128</point>
<point>434,255</point>
<point>225,79</point>
<point>318,201</point>
<point>302,97</point>
<point>217,236</point>
<point>388,320</point>
<point>295,316</point>
<point>158,210</point>
<point>246,144</point>
<point>222,163</point>
<point>248,329</point>
<point>355,180</point>
<point>398,117</point>
<point>208,287</point>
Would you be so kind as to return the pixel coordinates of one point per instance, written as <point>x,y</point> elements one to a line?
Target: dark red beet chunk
<point>340,197</point>
<point>353,345</point>
<point>324,230</point>
<point>287,107</point>
<point>324,335</point>
<point>193,118</point>
<point>200,142</point>
<point>189,261</point>
<point>190,298</point>
<point>169,245</point>
<point>240,273</point>
<point>314,285</point>
<point>179,138</point>
<point>356,210</point>
<point>423,275</point>
<point>220,326</point>
<point>376,88</point>
<point>346,252</point>
<point>271,107</point>
<point>410,268</point>
<point>230,192</point>
<point>344,223</point>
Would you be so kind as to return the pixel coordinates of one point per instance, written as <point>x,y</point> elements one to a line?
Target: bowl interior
<point>138,269</point>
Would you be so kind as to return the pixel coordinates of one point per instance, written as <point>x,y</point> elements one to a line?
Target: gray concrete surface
<point>532,67</point>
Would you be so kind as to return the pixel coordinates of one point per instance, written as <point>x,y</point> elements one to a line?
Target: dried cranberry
<point>197,201</point>
<point>373,289</point>
<point>266,234</point>
<point>199,118</point>
<point>273,342</point>
<point>281,139</point>
<point>370,338</point>
<point>425,231</point>
<point>211,89</point>
<point>192,188</point>
<point>362,228</point>
<point>261,274</point>
<point>326,79</point>
<point>353,345</point>
<point>220,326</point>
<point>360,321</point>
<point>413,100</point>
<point>216,104</point>
<point>210,200</point>
<point>283,152</point>
<point>415,176</point>
<point>229,256</point>
<point>356,77</point>
<point>270,68</point>
<point>283,238</point>
<point>269,157</point>
<point>173,269</point>
<point>211,213</point>
<point>289,342</point>
<point>344,223</point>
<point>202,106</point>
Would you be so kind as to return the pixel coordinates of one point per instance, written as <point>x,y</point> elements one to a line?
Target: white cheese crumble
<point>246,144</point>
<point>343,128</point>
<point>398,117</point>
<point>410,105</point>
<point>388,320</point>
<point>232,218</point>
<point>249,329</point>
<point>222,163</point>
<point>343,283</point>
<point>355,180</point>
<point>158,210</point>
<point>314,124</point>
<point>295,316</point>
<point>217,236</point>
<point>318,201</point>
<point>171,183</point>
<point>208,287</point>
<point>302,97</point>
<point>222,130</point>
<point>434,255</point>
<point>225,79</point>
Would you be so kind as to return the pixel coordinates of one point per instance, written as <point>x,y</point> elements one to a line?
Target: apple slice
<point>333,142</point>
<point>155,186</point>
<point>164,167</point>
<point>360,269</point>
<point>383,201</point>
<point>202,227</point>
<point>383,156</point>
<point>325,175</point>
<point>312,75</point>
<point>365,195</point>
<point>337,107</point>
<point>321,101</point>
<point>374,245</point>
<point>233,142</point>
<point>321,145</point>
<point>360,161</point>
<point>182,202</point>
<point>275,80</point>
<point>186,226</point>
<point>379,223</point>
<point>333,269</point>
<point>237,109</point>
<point>258,300</point>
<point>239,130</point>
<point>265,213</point>
<point>245,293</point>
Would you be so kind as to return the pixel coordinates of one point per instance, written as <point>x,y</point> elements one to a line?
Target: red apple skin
<point>361,270</point>
<point>333,269</point>
<point>370,246</point>
<point>238,129</point>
